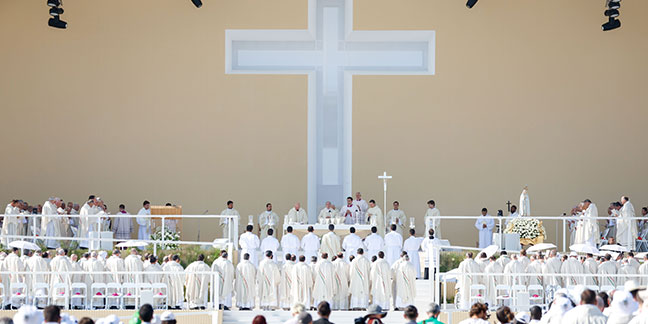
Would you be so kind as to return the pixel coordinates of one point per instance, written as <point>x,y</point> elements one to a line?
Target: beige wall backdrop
<point>131,102</point>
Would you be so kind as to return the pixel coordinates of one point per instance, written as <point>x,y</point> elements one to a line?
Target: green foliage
<point>451,260</point>
<point>188,254</point>
<point>168,236</point>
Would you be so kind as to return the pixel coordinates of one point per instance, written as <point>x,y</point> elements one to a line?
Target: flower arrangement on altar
<point>168,236</point>
<point>531,230</point>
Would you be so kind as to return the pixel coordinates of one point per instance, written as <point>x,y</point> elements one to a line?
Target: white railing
<point>95,220</point>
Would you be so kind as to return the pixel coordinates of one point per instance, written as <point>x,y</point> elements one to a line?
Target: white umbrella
<point>132,243</point>
<point>616,248</point>
<point>541,247</point>
<point>584,248</point>
<point>489,250</point>
<point>24,245</point>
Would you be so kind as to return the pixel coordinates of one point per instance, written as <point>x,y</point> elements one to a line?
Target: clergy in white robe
<point>626,226</point>
<point>341,297</point>
<point>324,280</point>
<point>285,285</point>
<point>504,259</point>
<point>60,267</point>
<point>359,276</point>
<point>229,223</point>
<point>587,228</point>
<point>268,220</point>
<point>197,283</point>
<point>302,283</point>
<point>14,265</point>
<point>628,273</point>
<point>268,279</point>
<point>328,214</point>
<point>330,242</point>
<point>37,264</point>
<point>11,222</point>
<point>351,244</point>
<point>297,215</point>
<point>590,266</point>
<point>376,217</point>
<point>570,267</point>
<point>144,222</point>
<point>430,245</point>
<point>381,282</point>
<point>431,220</point>
<point>270,243</point>
<point>50,223</point>
<point>122,226</point>
<point>290,243</point>
<point>405,283</point>
<point>310,244</point>
<point>116,264</point>
<point>363,206</point>
<point>484,225</point>
<point>374,243</point>
<point>133,263</point>
<point>393,245</point>
<point>514,273</point>
<point>226,277</point>
<point>467,269</point>
<point>85,218</point>
<point>250,244</point>
<point>398,217</point>
<point>412,246</point>
<point>350,212</point>
<point>153,273</point>
<point>534,271</point>
<point>643,270</point>
<point>175,281</point>
<point>495,270</point>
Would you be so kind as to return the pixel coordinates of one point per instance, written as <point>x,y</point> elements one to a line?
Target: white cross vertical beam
<point>330,53</point>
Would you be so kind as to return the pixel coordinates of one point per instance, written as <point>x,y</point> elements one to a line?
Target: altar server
<point>397,216</point>
<point>351,244</point>
<point>250,244</point>
<point>393,245</point>
<point>484,225</point>
<point>310,243</point>
<point>268,220</point>
<point>330,242</point>
<point>412,246</point>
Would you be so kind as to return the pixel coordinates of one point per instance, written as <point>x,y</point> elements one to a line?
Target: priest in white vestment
<point>431,220</point>
<point>570,267</point>
<point>376,217</point>
<point>350,212</point>
<point>626,226</point>
<point>13,265</point>
<point>297,215</point>
<point>495,270</point>
<point>324,285</point>
<point>226,278</point>
<point>270,243</point>
<point>36,264</point>
<point>628,273</point>
<point>341,297</point>
<point>514,272</point>
<point>363,206</point>
<point>467,269</point>
<point>330,242</point>
<point>250,244</point>
<point>351,244</point>
<point>393,245</point>
<point>398,217</point>
<point>359,276</point>
<point>412,246</point>
<point>153,273</point>
<point>381,282</point>
<point>643,270</point>
<point>175,282</point>
<point>11,222</point>
<point>133,264</point>
<point>404,276</point>
<point>268,220</point>
<point>285,285</point>
<point>226,223</point>
<point>50,223</point>
<point>116,264</point>
<point>587,228</point>
<point>197,283</point>
<point>328,214</point>
<point>246,275</point>
<point>504,259</point>
<point>144,222</point>
<point>290,242</point>
<point>310,244</point>
<point>268,279</point>
<point>484,225</point>
<point>590,266</point>
<point>535,271</point>
<point>302,283</point>
<point>374,243</point>
<point>552,266</point>
<point>60,267</point>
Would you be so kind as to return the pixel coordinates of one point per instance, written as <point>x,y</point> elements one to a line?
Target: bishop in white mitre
<point>404,276</point>
<point>285,285</point>
<point>302,283</point>
<point>359,276</point>
<point>484,225</point>
<point>11,222</point>
<point>397,216</point>
<point>324,285</point>
<point>374,243</point>
<point>351,244</point>
<point>381,282</point>
<point>290,242</point>
<point>297,215</point>
<point>328,214</point>
<point>268,279</point>
<point>363,206</point>
<point>431,220</point>
<point>330,242</point>
<point>393,245</point>
<point>175,282</point>
<point>626,226</point>
<point>341,297</point>
<point>268,220</point>
<point>250,244</point>
<point>467,269</point>
<point>50,223</point>
<point>350,212</point>
<point>376,218</point>
<point>310,243</point>
<point>197,283</point>
<point>270,243</point>
<point>226,272</point>
<point>226,223</point>
<point>607,267</point>
<point>412,246</point>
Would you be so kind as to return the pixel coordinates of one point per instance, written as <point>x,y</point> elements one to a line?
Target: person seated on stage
<point>328,214</point>
<point>297,215</point>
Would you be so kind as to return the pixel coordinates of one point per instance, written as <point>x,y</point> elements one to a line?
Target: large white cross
<point>330,52</point>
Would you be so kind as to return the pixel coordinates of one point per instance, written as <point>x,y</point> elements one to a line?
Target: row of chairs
<point>76,295</point>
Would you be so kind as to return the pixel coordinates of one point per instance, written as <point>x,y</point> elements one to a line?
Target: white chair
<point>78,294</point>
<point>160,295</point>
<point>60,292</point>
<point>146,297</point>
<point>536,290</point>
<point>40,291</point>
<point>142,287</point>
<point>477,293</point>
<point>18,293</point>
<point>129,295</point>
<point>113,295</point>
<point>502,295</point>
<point>98,295</point>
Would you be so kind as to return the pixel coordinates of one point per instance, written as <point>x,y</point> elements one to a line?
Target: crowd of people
<point>51,314</point>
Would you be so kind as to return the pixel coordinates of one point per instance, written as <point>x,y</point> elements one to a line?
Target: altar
<point>341,230</point>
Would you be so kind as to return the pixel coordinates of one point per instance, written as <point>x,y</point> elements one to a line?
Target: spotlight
<point>56,22</point>
<point>612,13</point>
<point>53,3</point>
<point>54,11</point>
<point>471,3</point>
<point>611,24</point>
<point>197,3</point>
<point>614,5</point>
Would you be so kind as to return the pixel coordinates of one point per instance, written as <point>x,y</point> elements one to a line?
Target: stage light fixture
<point>197,3</point>
<point>612,13</point>
<point>471,3</point>
<point>56,22</point>
<point>53,3</point>
<point>614,5</point>
<point>54,11</point>
<point>611,24</point>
